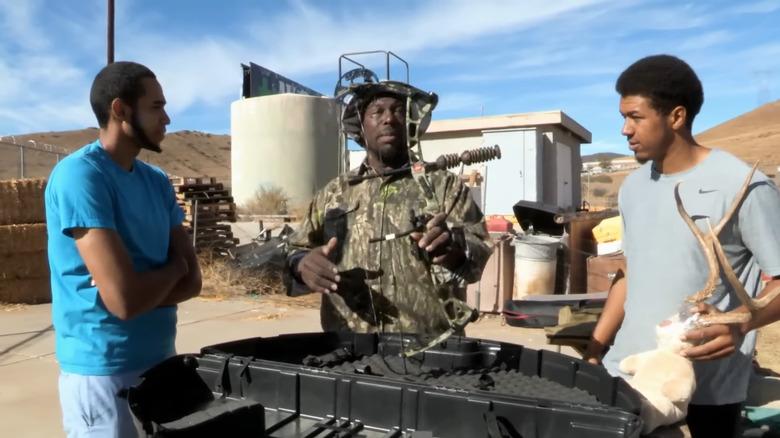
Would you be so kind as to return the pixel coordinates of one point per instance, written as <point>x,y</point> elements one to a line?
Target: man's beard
<point>140,136</point>
<point>392,155</point>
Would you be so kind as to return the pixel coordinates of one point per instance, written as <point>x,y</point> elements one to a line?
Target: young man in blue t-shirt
<point>120,258</point>
<point>660,97</point>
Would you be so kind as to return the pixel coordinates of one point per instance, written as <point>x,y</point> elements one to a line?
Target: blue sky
<point>481,57</point>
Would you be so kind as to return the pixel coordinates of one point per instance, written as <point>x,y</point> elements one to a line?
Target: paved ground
<point>29,405</point>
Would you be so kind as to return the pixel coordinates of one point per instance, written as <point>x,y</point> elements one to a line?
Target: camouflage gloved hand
<point>439,243</point>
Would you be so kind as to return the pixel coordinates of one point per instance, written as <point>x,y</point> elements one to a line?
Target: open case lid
<point>539,215</point>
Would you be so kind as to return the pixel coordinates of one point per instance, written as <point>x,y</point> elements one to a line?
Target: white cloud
<point>503,54</point>
<point>759,7</point>
<point>706,40</point>
<point>17,19</point>
<point>204,68</point>
<point>579,93</point>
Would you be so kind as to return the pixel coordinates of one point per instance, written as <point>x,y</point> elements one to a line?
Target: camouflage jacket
<point>383,286</point>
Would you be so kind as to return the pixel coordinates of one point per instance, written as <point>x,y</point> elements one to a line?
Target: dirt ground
<point>768,349</point>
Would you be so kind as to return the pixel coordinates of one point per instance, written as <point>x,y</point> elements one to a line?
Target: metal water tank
<point>290,141</point>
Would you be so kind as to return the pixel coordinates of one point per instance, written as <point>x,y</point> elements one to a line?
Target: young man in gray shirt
<point>660,96</point>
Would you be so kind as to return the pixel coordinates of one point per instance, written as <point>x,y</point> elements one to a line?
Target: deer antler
<point>708,241</point>
<point>705,241</point>
<point>714,252</point>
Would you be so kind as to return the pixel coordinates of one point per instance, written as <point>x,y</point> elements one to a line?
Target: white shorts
<point>91,407</point>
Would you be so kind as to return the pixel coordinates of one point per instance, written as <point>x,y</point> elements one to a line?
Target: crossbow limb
<point>458,313</point>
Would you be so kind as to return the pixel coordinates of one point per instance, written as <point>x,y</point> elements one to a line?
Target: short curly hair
<point>667,81</point>
<point>122,80</point>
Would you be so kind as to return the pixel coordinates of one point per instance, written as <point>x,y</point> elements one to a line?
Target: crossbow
<point>458,313</point>
<point>419,105</point>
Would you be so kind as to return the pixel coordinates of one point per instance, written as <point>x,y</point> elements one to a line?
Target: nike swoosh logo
<point>702,191</point>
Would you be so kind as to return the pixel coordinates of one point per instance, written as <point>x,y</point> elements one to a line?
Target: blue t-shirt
<point>88,189</point>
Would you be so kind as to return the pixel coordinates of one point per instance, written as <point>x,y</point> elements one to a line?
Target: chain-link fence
<point>27,158</point>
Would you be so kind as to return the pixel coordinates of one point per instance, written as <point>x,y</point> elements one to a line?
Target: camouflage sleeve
<point>307,236</point>
<point>466,215</point>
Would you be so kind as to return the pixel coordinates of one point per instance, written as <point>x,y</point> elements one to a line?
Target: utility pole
<point>110,31</point>
<point>588,187</point>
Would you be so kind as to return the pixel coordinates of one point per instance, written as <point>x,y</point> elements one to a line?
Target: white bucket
<point>535,265</point>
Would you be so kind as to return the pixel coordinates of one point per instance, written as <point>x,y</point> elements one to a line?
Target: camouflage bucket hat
<point>357,96</point>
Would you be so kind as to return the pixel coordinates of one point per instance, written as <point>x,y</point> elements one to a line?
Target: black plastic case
<point>463,388</point>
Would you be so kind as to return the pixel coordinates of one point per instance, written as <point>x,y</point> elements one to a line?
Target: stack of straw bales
<point>24,265</point>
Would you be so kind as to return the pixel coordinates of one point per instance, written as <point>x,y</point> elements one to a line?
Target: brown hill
<point>752,136</point>
<point>185,153</point>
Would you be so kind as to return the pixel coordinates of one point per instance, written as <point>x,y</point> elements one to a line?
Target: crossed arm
<point>128,293</point>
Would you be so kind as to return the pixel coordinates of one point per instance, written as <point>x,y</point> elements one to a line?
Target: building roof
<point>509,121</point>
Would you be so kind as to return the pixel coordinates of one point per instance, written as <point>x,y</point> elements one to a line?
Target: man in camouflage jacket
<point>383,286</point>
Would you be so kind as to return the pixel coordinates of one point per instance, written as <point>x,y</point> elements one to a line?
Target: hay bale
<point>18,239</point>
<point>27,291</point>
<point>22,201</point>
<point>24,265</point>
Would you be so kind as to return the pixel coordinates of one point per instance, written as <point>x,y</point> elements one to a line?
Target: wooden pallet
<point>205,197</point>
<point>209,188</point>
<point>217,208</point>
<point>192,180</point>
<point>207,205</point>
<point>211,216</point>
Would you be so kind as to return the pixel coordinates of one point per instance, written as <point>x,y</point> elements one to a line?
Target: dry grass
<point>310,301</point>
<point>599,192</point>
<point>17,239</point>
<point>223,280</point>
<point>268,200</point>
<point>26,291</point>
<point>21,201</point>
<point>300,211</point>
<point>266,316</point>
<point>24,265</point>
<point>11,307</point>
<point>768,349</point>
